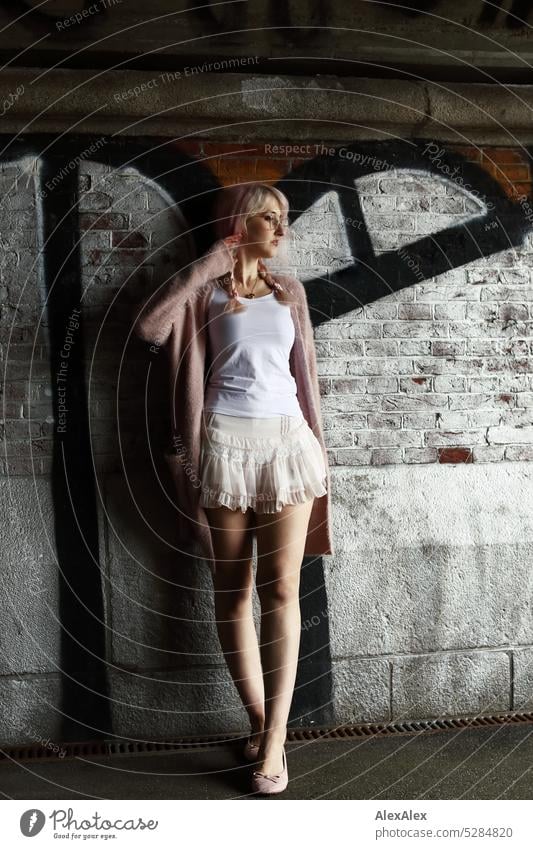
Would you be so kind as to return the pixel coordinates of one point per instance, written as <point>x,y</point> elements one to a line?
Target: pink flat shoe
<point>269,785</point>
<point>251,750</point>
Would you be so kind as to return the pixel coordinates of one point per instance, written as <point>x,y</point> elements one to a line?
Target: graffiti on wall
<point>366,276</point>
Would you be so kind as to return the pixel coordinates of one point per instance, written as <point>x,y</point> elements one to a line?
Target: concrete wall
<point>435,38</point>
<point>417,262</point>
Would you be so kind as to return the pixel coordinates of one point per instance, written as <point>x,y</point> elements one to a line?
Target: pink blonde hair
<point>232,208</point>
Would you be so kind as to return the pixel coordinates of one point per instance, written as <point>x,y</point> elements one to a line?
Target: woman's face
<point>265,230</point>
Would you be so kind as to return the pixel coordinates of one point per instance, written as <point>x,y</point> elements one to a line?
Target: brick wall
<point>439,371</point>
<point>420,292</point>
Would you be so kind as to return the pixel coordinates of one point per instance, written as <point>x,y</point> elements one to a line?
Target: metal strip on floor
<point>51,750</point>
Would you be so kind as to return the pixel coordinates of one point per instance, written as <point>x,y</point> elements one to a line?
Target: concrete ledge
<point>361,690</point>
<point>447,685</point>
<point>523,679</point>
<point>248,107</point>
<point>31,709</point>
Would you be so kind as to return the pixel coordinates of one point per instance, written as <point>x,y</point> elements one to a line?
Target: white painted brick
<point>365,330</point>
<point>495,328</point>
<point>475,401</point>
<point>414,347</point>
<point>514,418</point>
<point>443,348</point>
<point>418,421</point>
<point>416,384</point>
<point>413,204</point>
<point>386,456</point>
<point>488,453</point>
<point>380,366</point>
<point>381,384</point>
<point>348,385</point>
<point>421,401</point>
<point>483,384</point>
<point>448,204</point>
<point>345,420</point>
<point>380,310</point>
<point>519,453</point>
<point>332,366</point>
<point>339,438</point>
<point>345,347</point>
<point>384,438</point>
<point>483,347</point>
<point>414,328</point>
<point>460,437</point>
<point>420,455</point>
<point>381,348</point>
<point>403,222</point>
<point>413,312</point>
<point>448,365</point>
<point>385,420</point>
<point>429,222</point>
<point>345,403</point>
<point>510,435</point>
<point>353,457</point>
<point>401,185</point>
<point>455,310</point>
<point>449,383</point>
<point>507,293</point>
<point>377,203</point>
<point>452,421</point>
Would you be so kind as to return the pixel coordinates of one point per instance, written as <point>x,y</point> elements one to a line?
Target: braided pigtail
<point>227,283</point>
<point>277,288</point>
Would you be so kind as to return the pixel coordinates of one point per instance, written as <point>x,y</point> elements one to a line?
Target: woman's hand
<point>233,241</point>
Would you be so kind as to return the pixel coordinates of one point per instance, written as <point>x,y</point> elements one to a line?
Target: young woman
<point>262,465</point>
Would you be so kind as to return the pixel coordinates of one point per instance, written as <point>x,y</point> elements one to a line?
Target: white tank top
<point>248,373</point>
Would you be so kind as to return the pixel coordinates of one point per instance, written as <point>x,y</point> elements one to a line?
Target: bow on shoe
<point>270,777</point>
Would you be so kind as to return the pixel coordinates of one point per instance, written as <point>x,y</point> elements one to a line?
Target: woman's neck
<point>245,271</point>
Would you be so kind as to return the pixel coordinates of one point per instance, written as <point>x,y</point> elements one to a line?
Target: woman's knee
<point>277,589</point>
<point>233,587</point>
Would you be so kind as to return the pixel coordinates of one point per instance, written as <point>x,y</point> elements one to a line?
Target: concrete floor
<point>490,763</point>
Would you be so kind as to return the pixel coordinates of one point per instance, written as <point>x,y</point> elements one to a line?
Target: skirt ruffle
<point>261,472</point>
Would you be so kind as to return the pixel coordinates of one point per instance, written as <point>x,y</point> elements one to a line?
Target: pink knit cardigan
<point>175,317</point>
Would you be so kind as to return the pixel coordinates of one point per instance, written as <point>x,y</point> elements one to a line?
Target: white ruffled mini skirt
<point>259,463</point>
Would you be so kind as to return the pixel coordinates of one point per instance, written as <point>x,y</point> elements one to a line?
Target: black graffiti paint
<point>85,697</point>
<point>373,275</point>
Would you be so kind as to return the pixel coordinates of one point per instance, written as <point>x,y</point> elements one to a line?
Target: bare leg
<point>233,583</point>
<point>280,546</point>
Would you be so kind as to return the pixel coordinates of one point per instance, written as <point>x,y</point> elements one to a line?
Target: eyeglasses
<point>274,221</point>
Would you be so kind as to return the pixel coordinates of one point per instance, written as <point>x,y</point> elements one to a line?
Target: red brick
<point>128,240</point>
<point>506,174</point>
<point>106,221</point>
<point>455,455</point>
<point>519,189</point>
<point>502,155</point>
<point>473,154</point>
